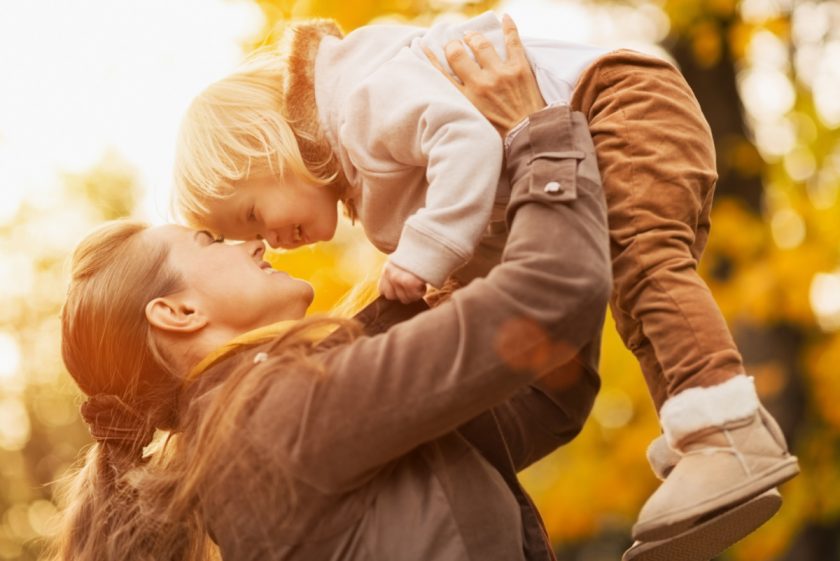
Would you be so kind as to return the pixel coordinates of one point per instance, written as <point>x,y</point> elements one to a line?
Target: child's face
<point>287,212</point>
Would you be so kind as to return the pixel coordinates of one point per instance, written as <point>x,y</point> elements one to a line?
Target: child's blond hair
<point>236,129</point>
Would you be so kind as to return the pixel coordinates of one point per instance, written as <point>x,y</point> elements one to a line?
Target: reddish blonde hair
<point>120,503</point>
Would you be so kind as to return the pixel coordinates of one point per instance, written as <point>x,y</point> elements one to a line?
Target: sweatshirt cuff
<point>427,256</point>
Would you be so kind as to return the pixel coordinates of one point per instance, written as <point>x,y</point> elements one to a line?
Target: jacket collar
<point>377,317</point>
<point>247,340</point>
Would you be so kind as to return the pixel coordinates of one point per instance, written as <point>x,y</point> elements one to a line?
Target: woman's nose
<point>256,248</point>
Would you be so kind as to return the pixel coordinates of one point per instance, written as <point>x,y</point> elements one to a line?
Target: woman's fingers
<point>462,65</point>
<point>485,53</point>
<point>433,60</point>
<point>503,91</point>
<point>515,50</point>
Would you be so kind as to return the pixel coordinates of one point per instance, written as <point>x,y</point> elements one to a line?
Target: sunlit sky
<point>82,78</point>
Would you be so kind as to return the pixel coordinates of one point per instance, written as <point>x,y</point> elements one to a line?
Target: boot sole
<point>668,526</point>
<point>712,536</point>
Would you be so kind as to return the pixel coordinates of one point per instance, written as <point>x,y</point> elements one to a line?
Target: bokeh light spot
<point>17,274</point>
<point>767,93</point>
<point>800,164</point>
<point>9,356</point>
<point>519,333</point>
<point>613,408</point>
<point>825,299</point>
<point>43,517</point>
<point>809,23</point>
<point>826,86</point>
<point>823,188</point>
<point>775,138</point>
<point>14,424</point>
<point>758,11</point>
<point>788,228</point>
<point>17,520</point>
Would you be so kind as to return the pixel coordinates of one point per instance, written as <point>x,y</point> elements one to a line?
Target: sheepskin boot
<point>709,536</point>
<point>731,450</point>
<point>661,457</point>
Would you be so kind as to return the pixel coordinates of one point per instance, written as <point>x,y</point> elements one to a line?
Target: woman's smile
<point>222,275</point>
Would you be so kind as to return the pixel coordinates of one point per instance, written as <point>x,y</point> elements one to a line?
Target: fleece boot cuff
<point>696,409</point>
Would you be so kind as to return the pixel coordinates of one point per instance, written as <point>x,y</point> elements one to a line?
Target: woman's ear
<point>174,315</point>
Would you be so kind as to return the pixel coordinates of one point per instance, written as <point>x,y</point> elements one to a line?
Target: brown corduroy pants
<point>657,161</point>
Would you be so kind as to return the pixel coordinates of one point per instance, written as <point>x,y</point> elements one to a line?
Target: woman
<point>288,445</point>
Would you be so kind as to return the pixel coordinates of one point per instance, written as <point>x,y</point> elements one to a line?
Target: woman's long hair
<point>122,504</point>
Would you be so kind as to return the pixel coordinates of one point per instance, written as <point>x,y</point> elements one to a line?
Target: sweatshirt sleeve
<point>380,397</point>
<point>407,115</point>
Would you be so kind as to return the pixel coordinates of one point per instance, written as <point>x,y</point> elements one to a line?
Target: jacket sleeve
<point>380,397</point>
<point>533,422</point>
<point>547,414</point>
<point>435,128</point>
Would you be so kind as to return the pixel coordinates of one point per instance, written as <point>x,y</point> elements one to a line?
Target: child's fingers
<point>411,294</point>
<point>402,293</point>
<point>419,292</point>
<point>515,50</point>
<point>483,50</point>
<point>462,65</point>
<point>433,60</point>
<point>386,289</point>
<point>409,287</point>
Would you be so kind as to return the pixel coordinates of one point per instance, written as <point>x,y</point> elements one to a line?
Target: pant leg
<point>657,162</point>
<point>631,330</point>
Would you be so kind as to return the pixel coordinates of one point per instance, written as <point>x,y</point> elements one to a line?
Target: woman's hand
<point>504,91</point>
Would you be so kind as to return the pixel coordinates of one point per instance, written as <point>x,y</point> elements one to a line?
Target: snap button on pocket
<point>554,174</point>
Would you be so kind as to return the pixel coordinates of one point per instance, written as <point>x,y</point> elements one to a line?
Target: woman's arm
<point>383,396</point>
<point>550,412</point>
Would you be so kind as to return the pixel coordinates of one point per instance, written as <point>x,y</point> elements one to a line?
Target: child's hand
<point>398,284</point>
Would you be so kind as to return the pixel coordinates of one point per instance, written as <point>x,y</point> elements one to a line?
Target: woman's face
<point>231,284</point>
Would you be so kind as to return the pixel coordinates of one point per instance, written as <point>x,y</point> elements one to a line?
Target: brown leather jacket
<point>407,448</point>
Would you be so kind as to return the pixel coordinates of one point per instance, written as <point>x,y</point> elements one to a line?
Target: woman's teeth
<point>296,233</point>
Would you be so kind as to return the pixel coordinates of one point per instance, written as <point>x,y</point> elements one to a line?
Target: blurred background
<point>91,93</point>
